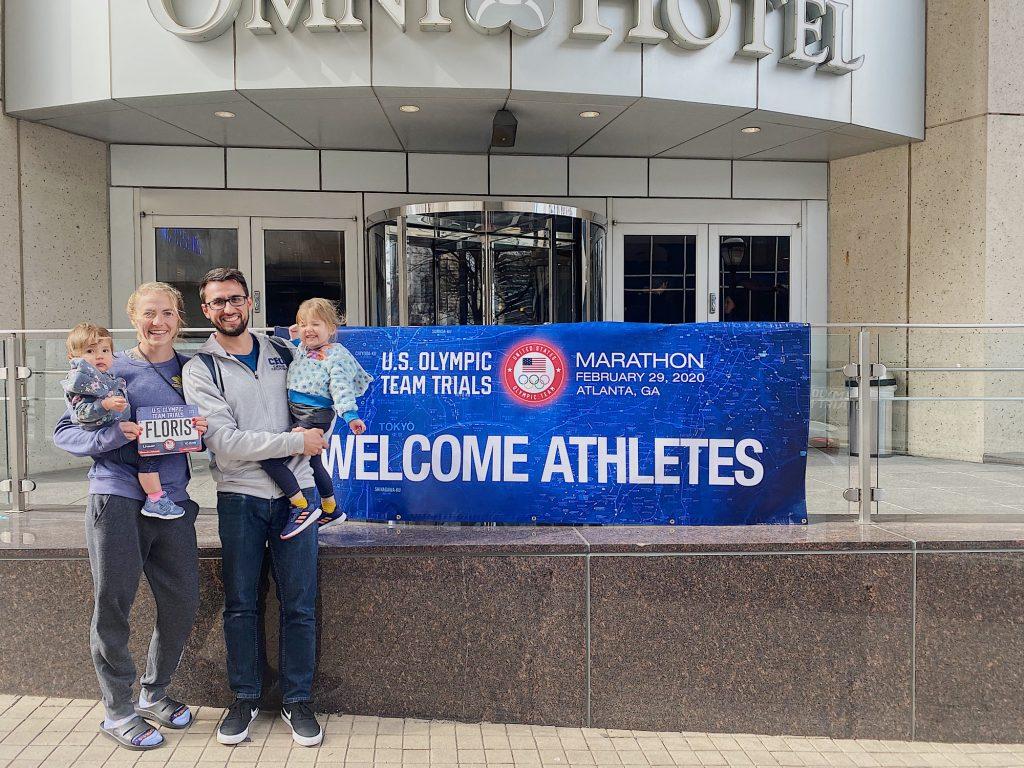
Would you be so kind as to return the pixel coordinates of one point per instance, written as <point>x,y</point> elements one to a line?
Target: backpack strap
<point>286,350</point>
<point>283,348</point>
<point>211,365</point>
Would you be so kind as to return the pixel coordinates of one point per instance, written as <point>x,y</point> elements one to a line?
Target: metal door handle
<point>712,303</point>
<point>256,296</point>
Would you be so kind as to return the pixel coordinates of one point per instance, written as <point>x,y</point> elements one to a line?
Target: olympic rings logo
<point>534,372</point>
<point>537,381</point>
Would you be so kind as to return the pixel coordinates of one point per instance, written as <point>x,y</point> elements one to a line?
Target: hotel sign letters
<point>814,33</point>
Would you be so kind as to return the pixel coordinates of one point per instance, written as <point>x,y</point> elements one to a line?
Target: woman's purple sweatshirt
<point>109,473</point>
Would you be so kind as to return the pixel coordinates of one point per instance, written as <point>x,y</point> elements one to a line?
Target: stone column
<point>54,258</point>
<point>934,234</point>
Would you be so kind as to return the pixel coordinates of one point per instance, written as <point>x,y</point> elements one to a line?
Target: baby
<point>324,380</point>
<point>98,399</point>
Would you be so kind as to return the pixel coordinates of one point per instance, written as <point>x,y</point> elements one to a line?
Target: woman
<point>123,544</point>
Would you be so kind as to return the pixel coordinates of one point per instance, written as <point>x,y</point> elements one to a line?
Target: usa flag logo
<point>534,372</point>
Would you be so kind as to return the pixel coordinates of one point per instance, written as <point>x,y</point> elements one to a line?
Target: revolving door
<point>485,263</point>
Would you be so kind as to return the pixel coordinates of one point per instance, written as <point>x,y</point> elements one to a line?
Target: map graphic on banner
<point>615,423</point>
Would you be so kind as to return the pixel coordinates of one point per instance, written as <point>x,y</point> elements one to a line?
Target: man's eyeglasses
<point>219,304</point>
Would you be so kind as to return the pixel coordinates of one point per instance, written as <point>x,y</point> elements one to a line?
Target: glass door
<point>755,274</point>
<point>298,259</point>
<point>181,249</point>
<point>663,273</point>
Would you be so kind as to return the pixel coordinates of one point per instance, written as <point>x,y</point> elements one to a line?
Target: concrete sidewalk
<point>37,731</point>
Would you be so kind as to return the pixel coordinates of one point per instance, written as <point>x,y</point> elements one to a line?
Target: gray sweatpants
<point>123,545</point>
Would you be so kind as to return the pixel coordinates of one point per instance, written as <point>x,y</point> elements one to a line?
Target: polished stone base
<point>884,632</point>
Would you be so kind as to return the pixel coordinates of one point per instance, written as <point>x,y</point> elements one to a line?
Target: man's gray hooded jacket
<point>249,421</point>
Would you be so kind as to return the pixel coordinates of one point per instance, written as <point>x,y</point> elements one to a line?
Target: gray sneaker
<point>163,508</point>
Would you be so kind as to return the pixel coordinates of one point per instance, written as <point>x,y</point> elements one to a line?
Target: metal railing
<point>33,363</point>
<point>866,491</point>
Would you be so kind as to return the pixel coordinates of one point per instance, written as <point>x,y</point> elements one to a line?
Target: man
<point>238,381</point>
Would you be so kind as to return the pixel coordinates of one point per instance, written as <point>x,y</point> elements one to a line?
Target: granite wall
<point>885,632</point>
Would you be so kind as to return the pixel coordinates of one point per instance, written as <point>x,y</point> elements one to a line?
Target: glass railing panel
<point>829,470</point>
<point>61,479</point>
<point>5,471</point>
<point>951,427</point>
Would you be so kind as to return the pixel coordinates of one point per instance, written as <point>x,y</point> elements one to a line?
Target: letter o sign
<point>220,21</point>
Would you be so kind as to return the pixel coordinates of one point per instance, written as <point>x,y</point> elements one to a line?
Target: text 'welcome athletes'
<point>576,459</point>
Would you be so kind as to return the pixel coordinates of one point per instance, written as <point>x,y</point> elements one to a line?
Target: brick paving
<point>38,731</point>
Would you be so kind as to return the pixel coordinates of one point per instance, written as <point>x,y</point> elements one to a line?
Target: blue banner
<point>616,423</point>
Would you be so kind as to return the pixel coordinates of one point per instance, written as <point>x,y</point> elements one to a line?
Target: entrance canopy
<point>755,79</point>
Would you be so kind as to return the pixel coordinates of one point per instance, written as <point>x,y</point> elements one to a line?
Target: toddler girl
<point>324,380</point>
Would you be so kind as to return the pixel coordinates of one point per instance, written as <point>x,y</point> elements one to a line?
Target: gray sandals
<point>130,735</point>
<point>164,712</point>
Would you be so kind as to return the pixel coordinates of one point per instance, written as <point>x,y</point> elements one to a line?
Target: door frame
<point>355,299</point>
<point>616,277</point>
<point>797,281</point>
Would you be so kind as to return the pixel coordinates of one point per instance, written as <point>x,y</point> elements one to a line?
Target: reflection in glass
<point>299,265</point>
<point>520,281</point>
<point>754,273</point>
<point>661,278</point>
<point>595,303</point>
<point>383,247</point>
<point>185,255</point>
<point>442,256</point>
<point>488,266</point>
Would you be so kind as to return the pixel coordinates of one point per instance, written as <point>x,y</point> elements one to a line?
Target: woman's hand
<point>201,424</point>
<point>114,403</point>
<point>130,429</point>
<point>358,426</point>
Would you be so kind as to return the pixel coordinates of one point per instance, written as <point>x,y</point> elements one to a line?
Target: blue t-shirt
<point>253,358</point>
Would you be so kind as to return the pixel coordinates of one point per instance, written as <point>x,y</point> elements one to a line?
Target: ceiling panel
<point>820,147</point>
<point>730,142</point>
<point>251,126</point>
<point>124,125</point>
<point>555,127</point>
<point>443,124</point>
<point>349,118</point>
<point>651,126</point>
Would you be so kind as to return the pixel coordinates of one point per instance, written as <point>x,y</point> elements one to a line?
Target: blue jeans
<point>249,528</point>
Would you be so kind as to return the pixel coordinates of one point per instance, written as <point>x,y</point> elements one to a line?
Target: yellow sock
<point>328,505</point>
<point>298,500</point>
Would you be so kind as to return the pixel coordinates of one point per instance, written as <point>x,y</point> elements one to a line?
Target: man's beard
<point>241,328</point>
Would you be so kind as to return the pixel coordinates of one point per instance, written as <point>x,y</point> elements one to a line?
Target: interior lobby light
<point>590,113</point>
<point>224,114</point>
<point>409,108</point>
<point>750,129</point>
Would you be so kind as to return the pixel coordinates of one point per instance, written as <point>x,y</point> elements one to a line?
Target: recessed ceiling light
<point>590,113</point>
<point>224,113</point>
<point>750,129</point>
<point>409,108</point>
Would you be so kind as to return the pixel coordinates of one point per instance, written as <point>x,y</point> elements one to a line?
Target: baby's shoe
<point>163,508</point>
<point>299,519</point>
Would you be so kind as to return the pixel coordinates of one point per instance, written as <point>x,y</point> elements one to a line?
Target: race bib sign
<point>584,423</point>
<point>168,429</point>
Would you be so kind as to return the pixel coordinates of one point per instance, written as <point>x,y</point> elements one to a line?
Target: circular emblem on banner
<point>533,372</point>
<point>169,445</point>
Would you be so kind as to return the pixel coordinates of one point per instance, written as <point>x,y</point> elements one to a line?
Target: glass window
<point>754,278</point>
<point>660,278</point>
<point>300,265</point>
<point>383,261</point>
<point>185,255</point>
<point>534,260</point>
<point>443,261</point>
